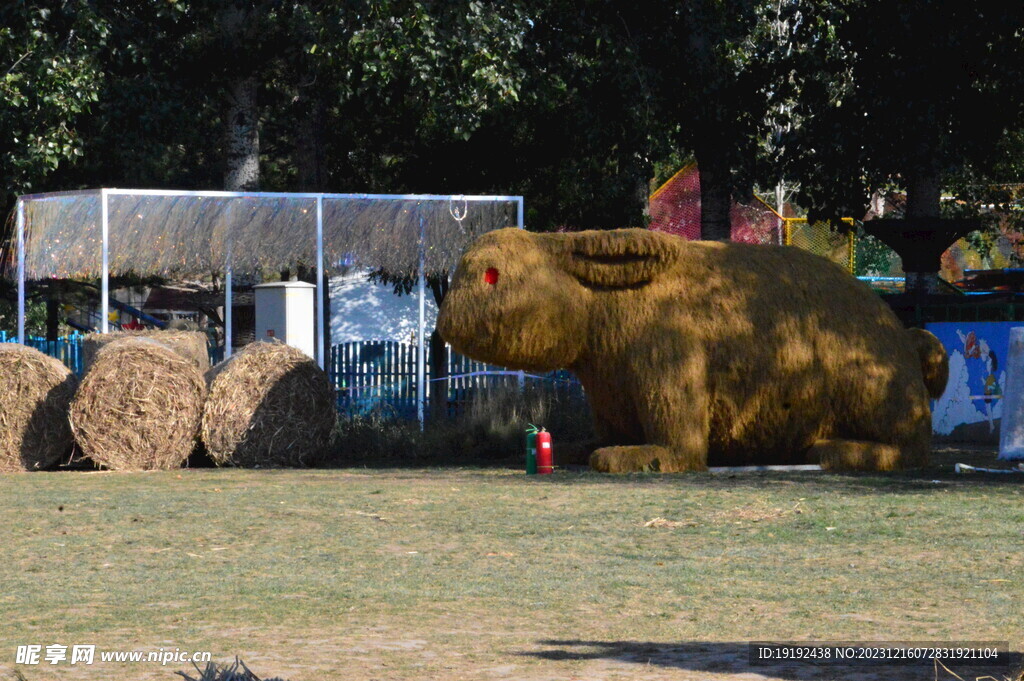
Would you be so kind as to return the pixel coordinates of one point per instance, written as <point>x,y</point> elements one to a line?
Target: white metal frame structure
<point>106,193</point>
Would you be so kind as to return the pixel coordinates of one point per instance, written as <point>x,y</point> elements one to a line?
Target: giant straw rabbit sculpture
<point>698,353</point>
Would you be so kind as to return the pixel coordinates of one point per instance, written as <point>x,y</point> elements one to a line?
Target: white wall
<point>362,310</point>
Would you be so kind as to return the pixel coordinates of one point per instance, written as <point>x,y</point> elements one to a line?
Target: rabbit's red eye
<point>491,276</point>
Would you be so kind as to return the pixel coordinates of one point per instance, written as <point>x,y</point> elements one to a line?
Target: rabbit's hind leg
<point>856,455</point>
<point>640,458</point>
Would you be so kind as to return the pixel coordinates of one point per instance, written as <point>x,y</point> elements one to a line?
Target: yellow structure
<point>819,238</point>
<point>675,209</point>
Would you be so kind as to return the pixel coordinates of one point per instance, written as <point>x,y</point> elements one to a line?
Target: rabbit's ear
<point>613,259</point>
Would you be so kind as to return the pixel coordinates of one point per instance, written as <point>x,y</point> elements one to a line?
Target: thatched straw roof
<point>179,234</point>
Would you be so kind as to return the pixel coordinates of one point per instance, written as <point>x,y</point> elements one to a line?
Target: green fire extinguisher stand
<point>531,449</point>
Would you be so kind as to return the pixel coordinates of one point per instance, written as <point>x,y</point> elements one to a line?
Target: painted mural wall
<point>971,408</point>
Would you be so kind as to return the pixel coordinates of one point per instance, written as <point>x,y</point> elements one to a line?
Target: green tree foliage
<point>568,103</point>
<point>900,94</point>
<point>626,88</point>
<point>707,82</point>
<point>158,120</point>
<point>585,131</point>
<point>420,80</point>
<point>49,75</point>
<point>574,104</point>
<point>350,96</point>
<point>35,317</point>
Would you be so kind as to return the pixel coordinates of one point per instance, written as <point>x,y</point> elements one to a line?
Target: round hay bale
<point>182,325</point>
<point>36,392</point>
<point>268,405</point>
<point>139,407</point>
<point>188,344</point>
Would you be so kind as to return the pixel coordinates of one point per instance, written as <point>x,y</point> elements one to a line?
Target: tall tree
<point>377,95</point>
<point>49,77</point>
<point>923,95</point>
<point>697,59</point>
<point>239,30</point>
<point>583,140</point>
<point>900,94</point>
<point>159,116</point>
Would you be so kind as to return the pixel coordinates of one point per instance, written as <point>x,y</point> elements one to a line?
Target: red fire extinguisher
<point>545,454</point>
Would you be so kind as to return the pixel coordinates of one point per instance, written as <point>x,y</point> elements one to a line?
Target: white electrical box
<point>286,311</point>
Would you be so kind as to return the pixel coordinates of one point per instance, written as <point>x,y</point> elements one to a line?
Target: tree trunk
<point>241,119</point>
<point>326,302</point>
<point>715,198</point>
<point>243,136</point>
<point>310,150</point>
<point>438,355</point>
<point>642,172</point>
<point>438,351</point>
<point>780,208</point>
<point>52,321</point>
<point>924,193</point>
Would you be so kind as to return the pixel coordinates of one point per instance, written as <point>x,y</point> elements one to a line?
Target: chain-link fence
<point>822,239</point>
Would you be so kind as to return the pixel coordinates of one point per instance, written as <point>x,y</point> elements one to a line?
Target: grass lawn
<point>488,574</point>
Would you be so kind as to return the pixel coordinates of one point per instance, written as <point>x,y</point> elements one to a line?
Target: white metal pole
<point>1011,431</point>
<point>520,224</point>
<point>229,279</point>
<point>780,205</point>
<point>228,303</point>
<point>421,351</point>
<point>320,312</point>
<point>105,264</point>
<point>21,271</point>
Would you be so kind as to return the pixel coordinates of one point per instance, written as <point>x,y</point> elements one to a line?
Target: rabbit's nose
<point>491,276</point>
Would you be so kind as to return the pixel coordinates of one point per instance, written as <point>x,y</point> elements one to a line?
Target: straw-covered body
<point>36,393</point>
<point>268,405</point>
<point>139,406</point>
<point>188,344</point>
<point>698,353</point>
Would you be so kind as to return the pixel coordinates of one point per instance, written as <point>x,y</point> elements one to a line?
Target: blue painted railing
<point>67,349</point>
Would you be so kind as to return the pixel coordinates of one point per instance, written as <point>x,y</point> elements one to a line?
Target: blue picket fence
<point>67,349</point>
<point>374,374</point>
<point>368,375</point>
